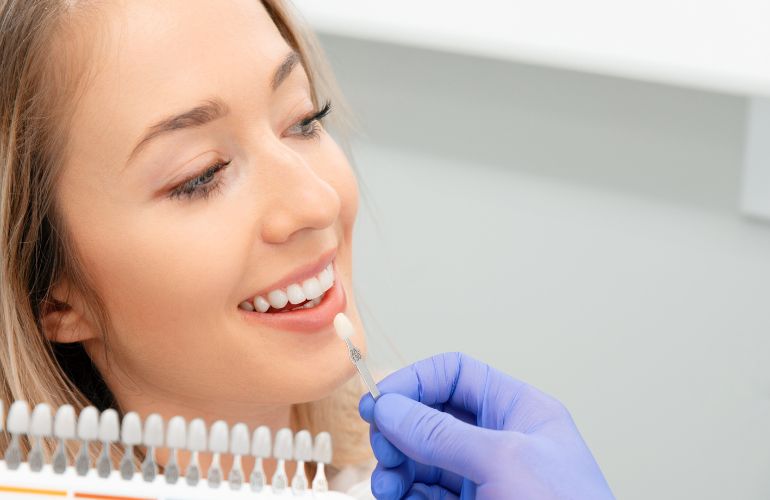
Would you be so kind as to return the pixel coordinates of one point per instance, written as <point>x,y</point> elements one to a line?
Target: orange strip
<point>107,497</point>
<point>13,489</point>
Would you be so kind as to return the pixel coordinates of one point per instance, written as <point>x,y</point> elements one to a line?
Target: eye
<point>201,185</point>
<point>309,127</point>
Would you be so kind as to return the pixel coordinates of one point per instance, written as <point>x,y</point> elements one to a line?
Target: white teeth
<point>312,288</point>
<point>277,298</point>
<point>261,304</point>
<point>295,293</point>
<point>326,279</point>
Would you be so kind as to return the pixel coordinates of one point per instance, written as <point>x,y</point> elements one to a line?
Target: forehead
<point>156,56</point>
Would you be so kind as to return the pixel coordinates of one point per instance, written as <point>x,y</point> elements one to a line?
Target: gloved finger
<point>435,438</point>
<point>427,474</point>
<point>420,491</point>
<point>391,483</point>
<point>385,453</point>
<point>366,407</point>
<point>450,378</point>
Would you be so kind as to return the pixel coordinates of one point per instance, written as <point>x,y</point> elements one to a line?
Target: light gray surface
<point>578,232</point>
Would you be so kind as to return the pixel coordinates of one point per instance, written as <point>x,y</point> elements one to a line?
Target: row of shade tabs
<point>106,428</point>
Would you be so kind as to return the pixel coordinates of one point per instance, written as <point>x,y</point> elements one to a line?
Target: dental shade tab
<point>40,425</point>
<point>345,331</point>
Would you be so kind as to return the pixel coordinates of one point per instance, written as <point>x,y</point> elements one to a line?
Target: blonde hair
<point>38,85</point>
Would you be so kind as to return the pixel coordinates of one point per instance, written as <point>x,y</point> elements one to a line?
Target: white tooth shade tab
<point>88,424</point>
<point>303,446</point>
<point>343,326</point>
<point>218,437</point>
<point>260,304</point>
<point>283,444</point>
<point>42,420</point>
<point>153,430</point>
<point>261,444</point>
<point>295,294</point>
<point>277,298</point>
<point>322,448</point>
<point>196,435</point>
<point>311,288</point>
<point>109,426</point>
<point>64,422</point>
<point>239,439</point>
<point>176,433</point>
<point>18,417</point>
<point>131,429</point>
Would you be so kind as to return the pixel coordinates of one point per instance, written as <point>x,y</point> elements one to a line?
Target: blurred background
<point>577,193</point>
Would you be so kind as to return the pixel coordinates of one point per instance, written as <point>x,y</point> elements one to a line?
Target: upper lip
<point>301,273</point>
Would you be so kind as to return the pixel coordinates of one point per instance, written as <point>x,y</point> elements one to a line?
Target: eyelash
<point>200,186</point>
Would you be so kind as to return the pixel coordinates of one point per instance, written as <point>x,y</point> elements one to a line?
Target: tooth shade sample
<point>196,435</point>
<point>64,422</point>
<point>218,438</point>
<point>303,446</point>
<point>18,417</point>
<point>322,448</point>
<point>153,430</point>
<point>176,434</point>
<point>283,444</point>
<point>88,424</point>
<point>131,430</point>
<point>343,326</point>
<point>109,426</point>
<point>41,420</point>
<point>261,443</point>
<point>239,439</point>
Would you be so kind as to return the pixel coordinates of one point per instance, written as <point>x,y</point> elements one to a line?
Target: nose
<point>299,197</point>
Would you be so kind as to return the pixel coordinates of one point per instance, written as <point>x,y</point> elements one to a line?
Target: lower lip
<point>305,320</point>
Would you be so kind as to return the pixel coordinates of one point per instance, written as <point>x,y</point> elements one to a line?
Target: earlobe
<point>64,323</point>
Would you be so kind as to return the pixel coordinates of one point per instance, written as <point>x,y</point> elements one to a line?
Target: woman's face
<point>175,246</point>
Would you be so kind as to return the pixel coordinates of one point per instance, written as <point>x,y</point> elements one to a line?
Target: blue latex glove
<point>451,426</point>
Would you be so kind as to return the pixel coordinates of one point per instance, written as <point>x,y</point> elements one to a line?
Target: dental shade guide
<point>345,330</point>
<point>43,429</point>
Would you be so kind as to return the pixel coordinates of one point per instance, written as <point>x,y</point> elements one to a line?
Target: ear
<point>63,317</point>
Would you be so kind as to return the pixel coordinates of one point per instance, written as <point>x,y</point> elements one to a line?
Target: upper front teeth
<point>310,289</point>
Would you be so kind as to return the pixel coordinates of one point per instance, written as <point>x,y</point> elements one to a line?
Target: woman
<point>168,192</point>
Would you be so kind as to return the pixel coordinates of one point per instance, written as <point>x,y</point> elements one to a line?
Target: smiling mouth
<point>306,294</point>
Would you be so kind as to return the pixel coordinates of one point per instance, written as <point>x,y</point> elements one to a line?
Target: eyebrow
<point>210,110</point>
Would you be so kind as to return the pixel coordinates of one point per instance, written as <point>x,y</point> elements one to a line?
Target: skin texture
<point>173,271</point>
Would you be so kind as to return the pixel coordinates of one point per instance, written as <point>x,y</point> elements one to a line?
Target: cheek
<point>164,279</point>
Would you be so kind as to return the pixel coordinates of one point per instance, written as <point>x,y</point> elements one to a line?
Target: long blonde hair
<point>38,85</point>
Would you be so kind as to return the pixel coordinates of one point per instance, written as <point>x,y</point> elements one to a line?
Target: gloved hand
<point>451,426</point>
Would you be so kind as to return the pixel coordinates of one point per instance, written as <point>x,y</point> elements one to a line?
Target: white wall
<point>578,232</point>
